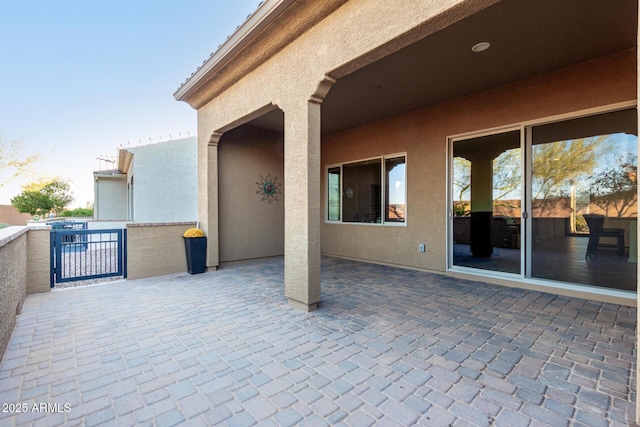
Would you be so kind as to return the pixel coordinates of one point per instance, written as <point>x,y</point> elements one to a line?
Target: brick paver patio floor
<point>386,347</point>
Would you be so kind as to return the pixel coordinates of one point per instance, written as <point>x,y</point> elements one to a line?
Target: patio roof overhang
<point>230,61</point>
<point>526,38</point>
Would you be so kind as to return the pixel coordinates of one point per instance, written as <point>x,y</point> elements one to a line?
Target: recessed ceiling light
<point>482,46</point>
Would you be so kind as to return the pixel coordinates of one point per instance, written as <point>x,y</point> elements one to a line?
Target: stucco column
<point>482,184</point>
<point>208,196</point>
<point>302,205</point>
<point>481,205</point>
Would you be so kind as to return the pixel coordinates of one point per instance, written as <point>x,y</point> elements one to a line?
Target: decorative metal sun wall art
<point>269,188</point>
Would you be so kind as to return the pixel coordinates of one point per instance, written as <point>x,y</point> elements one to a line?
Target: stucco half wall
<point>155,249</point>
<point>13,280</point>
<point>24,259</point>
<point>38,262</point>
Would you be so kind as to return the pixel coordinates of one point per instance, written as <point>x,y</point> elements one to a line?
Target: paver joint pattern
<point>387,347</point>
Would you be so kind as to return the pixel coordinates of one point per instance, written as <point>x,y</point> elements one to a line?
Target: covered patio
<point>386,346</point>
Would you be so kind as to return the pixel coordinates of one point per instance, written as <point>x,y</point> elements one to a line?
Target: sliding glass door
<point>556,201</point>
<point>583,200</point>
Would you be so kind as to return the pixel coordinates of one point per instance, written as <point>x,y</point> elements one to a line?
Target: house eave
<point>124,160</point>
<point>109,175</point>
<point>266,13</point>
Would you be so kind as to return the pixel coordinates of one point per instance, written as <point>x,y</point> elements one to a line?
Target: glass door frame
<point>526,236</point>
<point>527,218</point>
<point>523,191</point>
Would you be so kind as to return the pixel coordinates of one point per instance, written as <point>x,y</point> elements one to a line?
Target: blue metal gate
<point>80,254</point>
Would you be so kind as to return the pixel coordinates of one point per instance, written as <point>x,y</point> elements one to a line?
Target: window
<point>334,194</point>
<point>370,191</point>
<point>395,189</point>
<point>361,198</point>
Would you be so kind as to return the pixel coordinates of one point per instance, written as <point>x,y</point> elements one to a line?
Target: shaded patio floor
<point>387,346</point>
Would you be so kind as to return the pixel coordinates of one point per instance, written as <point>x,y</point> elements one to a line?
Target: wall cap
<point>8,234</point>
<point>158,224</point>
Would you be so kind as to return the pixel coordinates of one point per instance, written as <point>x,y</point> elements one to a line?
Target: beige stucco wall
<point>38,259</point>
<point>111,198</point>
<point>250,227</point>
<point>297,76</point>
<point>165,181</point>
<point>294,79</point>
<point>423,136</point>
<point>10,215</point>
<point>156,249</point>
<point>13,280</point>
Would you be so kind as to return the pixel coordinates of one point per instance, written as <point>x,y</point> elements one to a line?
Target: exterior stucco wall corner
<point>250,221</point>
<point>208,193</point>
<point>38,267</point>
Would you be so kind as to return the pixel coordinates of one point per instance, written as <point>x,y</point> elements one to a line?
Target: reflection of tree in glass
<point>461,183</point>
<point>615,187</point>
<point>558,163</point>
<point>556,166</point>
<point>506,178</point>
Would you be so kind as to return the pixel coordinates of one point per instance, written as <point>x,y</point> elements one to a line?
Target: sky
<point>79,78</point>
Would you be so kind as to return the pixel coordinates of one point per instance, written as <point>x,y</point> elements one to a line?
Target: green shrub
<point>77,212</point>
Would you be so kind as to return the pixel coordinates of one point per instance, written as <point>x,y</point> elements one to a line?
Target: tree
<point>43,196</point>
<point>31,202</point>
<point>12,161</point>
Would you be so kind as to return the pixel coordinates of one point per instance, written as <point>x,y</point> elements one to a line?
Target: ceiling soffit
<point>527,38</point>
